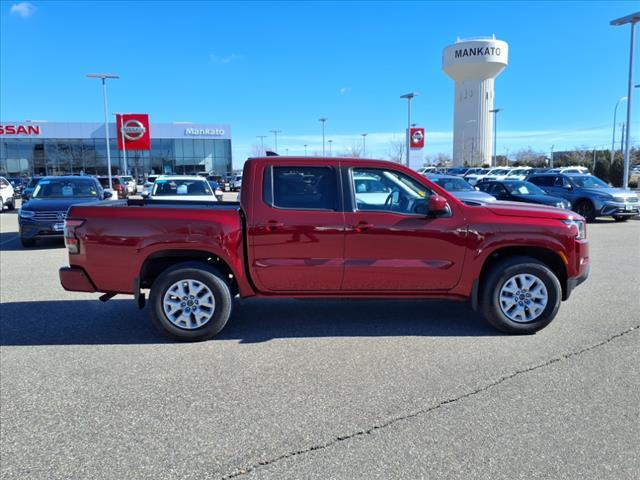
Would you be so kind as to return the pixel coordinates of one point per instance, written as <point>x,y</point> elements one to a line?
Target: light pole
<point>275,134</point>
<point>632,19</point>
<point>305,149</point>
<point>322,120</point>
<point>495,135</point>
<point>409,96</point>
<point>104,77</point>
<point>551,157</point>
<point>261,137</point>
<point>122,139</point>
<point>613,139</point>
<point>330,142</point>
<point>364,144</point>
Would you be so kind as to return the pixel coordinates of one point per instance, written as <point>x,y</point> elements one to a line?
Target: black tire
<point>28,242</point>
<point>586,209</point>
<point>499,275</point>
<point>200,272</point>
<point>621,219</point>
<point>11,205</point>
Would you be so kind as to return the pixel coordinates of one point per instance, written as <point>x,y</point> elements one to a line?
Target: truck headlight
<point>26,213</point>
<point>581,228</point>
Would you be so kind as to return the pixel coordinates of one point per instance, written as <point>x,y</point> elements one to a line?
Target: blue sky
<point>282,65</point>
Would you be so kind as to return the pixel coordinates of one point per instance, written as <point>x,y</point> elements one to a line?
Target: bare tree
<point>353,150</point>
<point>256,150</point>
<point>396,151</point>
<point>440,159</point>
<point>528,156</point>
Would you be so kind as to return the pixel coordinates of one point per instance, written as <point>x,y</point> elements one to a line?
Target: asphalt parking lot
<point>319,389</point>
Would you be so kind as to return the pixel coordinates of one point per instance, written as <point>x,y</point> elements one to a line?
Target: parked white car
<point>519,173</point>
<point>482,174</point>
<point>182,187</point>
<point>580,170</point>
<point>147,186</point>
<point>236,183</point>
<point>6,195</point>
<point>132,187</point>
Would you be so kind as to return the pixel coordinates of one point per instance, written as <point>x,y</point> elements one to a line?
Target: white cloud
<point>223,60</point>
<point>345,90</point>
<point>23,9</point>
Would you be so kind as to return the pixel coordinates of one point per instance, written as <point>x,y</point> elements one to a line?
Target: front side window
<point>387,190</point>
<point>546,181</point>
<point>301,188</point>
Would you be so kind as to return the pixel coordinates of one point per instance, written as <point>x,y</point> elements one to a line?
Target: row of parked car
<point>569,187</point>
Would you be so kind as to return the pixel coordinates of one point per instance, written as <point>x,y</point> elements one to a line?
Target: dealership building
<point>35,148</point>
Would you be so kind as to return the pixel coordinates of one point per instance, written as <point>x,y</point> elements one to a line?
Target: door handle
<point>362,226</point>
<point>274,225</point>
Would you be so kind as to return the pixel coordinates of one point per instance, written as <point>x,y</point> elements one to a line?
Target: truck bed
<point>117,237</point>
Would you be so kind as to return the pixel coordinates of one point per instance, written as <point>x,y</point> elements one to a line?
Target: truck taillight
<point>70,239</point>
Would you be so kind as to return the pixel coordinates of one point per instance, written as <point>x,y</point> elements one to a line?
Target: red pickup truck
<point>327,227</point>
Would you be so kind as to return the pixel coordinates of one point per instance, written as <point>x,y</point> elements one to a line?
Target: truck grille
<point>626,199</point>
<point>50,216</point>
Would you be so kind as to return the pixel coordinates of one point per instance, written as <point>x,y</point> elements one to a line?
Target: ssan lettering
<point>19,130</point>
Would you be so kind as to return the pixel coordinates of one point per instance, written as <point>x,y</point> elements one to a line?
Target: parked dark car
<point>519,191</point>
<point>119,186</point>
<point>45,212</point>
<point>18,184</point>
<point>460,188</point>
<point>590,196</point>
<point>28,189</point>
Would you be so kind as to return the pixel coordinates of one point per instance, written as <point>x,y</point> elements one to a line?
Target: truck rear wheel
<point>520,295</point>
<point>190,302</point>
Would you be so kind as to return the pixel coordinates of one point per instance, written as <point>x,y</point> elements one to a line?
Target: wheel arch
<point>548,257</point>
<point>158,262</point>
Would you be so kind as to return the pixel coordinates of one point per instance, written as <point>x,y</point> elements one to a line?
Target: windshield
<point>66,188</point>
<point>453,184</point>
<point>33,182</point>
<point>499,171</point>
<point>588,181</point>
<point>523,188</point>
<point>127,179</point>
<point>176,186</point>
<point>518,171</point>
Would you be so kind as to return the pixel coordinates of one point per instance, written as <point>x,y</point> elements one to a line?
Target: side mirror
<point>477,188</point>
<point>106,195</point>
<point>437,205</point>
<point>145,194</point>
<point>567,186</point>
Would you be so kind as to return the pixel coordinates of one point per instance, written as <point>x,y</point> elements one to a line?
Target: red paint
<point>137,134</point>
<point>306,253</point>
<point>19,130</point>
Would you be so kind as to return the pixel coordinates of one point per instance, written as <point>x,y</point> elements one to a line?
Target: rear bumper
<point>75,279</point>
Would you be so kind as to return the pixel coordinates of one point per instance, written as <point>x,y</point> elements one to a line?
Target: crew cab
<point>302,228</point>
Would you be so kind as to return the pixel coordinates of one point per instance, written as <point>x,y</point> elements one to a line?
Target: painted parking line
<point>9,240</point>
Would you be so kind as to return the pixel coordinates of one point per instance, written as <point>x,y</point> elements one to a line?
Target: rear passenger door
<point>297,233</point>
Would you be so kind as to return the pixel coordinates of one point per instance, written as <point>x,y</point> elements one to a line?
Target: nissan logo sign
<point>133,130</point>
<point>417,137</point>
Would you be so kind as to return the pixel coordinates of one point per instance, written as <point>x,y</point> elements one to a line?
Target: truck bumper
<point>575,281</point>
<point>75,279</point>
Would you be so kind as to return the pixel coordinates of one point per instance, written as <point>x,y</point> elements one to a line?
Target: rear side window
<point>546,181</point>
<point>301,188</point>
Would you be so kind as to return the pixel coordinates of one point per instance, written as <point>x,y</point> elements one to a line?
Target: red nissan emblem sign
<point>133,131</point>
<point>417,137</point>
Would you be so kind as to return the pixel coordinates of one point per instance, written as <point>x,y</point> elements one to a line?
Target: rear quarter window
<point>301,188</point>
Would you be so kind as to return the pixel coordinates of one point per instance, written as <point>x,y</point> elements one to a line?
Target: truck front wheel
<point>520,295</point>
<point>190,302</point>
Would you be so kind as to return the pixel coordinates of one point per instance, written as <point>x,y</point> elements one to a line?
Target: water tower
<point>474,64</point>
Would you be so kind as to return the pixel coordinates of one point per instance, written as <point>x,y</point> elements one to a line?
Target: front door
<point>296,239</point>
<point>391,247</point>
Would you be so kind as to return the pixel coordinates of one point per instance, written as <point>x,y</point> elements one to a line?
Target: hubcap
<point>189,304</point>
<point>523,298</point>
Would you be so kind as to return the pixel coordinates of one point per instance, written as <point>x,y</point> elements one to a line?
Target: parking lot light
<point>104,77</point>
<point>629,19</point>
